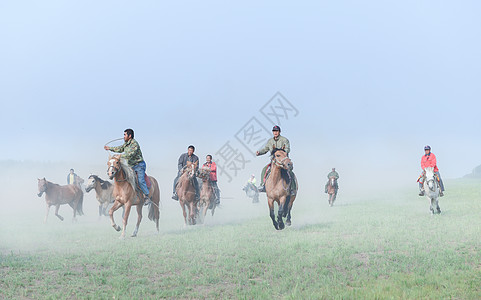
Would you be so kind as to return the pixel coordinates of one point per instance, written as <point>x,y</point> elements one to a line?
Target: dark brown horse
<point>56,195</point>
<point>126,195</point>
<point>207,195</point>
<point>186,192</point>
<point>278,188</point>
<point>332,190</point>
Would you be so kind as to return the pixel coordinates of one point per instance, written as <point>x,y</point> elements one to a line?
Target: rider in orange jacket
<point>429,160</point>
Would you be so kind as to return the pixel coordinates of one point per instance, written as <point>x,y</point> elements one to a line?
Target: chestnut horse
<point>186,191</point>
<point>278,188</point>
<point>125,194</point>
<point>56,195</point>
<point>331,190</point>
<point>207,195</point>
<point>103,192</point>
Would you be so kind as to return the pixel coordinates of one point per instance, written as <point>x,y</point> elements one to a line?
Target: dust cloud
<point>21,219</point>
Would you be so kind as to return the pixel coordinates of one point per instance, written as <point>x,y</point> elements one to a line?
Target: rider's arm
<point>180,162</point>
<point>118,149</point>
<point>265,149</point>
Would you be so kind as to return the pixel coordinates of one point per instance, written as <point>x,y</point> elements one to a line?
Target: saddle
<point>147,181</point>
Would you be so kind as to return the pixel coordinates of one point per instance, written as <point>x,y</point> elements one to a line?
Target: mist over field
<point>358,86</point>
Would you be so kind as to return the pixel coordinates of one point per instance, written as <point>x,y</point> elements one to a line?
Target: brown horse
<point>331,190</point>
<point>126,194</point>
<point>278,188</point>
<point>207,195</point>
<point>186,192</point>
<point>56,195</point>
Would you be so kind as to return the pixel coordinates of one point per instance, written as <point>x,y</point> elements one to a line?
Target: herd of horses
<point>123,192</point>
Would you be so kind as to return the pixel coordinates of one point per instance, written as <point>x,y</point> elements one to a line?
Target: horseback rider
<point>429,160</point>
<point>213,177</point>
<point>252,182</point>
<point>132,153</point>
<point>276,142</point>
<point>183,159</point>
<point>73,178</point>
<point>334,174</point>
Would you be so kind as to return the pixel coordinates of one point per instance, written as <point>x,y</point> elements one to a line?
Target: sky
<point>369,83</point>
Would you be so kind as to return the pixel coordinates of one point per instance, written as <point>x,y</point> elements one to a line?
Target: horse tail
<point>154,209</point>
<point>80,203</point>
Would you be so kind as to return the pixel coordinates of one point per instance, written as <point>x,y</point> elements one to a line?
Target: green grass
<point>370,248</point>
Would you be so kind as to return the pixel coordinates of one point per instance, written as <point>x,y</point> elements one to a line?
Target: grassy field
<point>362,248</point>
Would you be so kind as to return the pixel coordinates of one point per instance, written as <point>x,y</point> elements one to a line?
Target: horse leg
<point>139,218</point>
<point>183,212</point>
<point>46,214</point>
<point>100,211</point>
<point>271,213</point>
<point>192,213</point>
<point>280,212</point>
<point>128,206</point>
<point>56,212</point>
<point>288,221</point>
<point>111,214</point>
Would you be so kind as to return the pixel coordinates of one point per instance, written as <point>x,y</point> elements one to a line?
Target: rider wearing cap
<point>429,160</point>
<point>276,142</point>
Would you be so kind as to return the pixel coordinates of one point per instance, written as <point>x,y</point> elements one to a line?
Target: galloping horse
<point>186,192</point>
<point>432,189</point>
<point>278,188</point>
<point>331,190</point>
<point>57,195</point>
<point>103,192</point>
<point>207,195</point>
<point>125,193</point>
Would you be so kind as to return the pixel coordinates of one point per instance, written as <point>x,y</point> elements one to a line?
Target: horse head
<point>114,166</point>
<point>42,186</point>
<point>281,159</point>
<point>204,173</point>
<point>429,173</point>
<point>332,181</point>
<point>91,181</point>
<point>190,169</point>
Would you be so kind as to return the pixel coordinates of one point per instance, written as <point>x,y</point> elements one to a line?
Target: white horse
<point>251,192</point>
<point>432,190</point>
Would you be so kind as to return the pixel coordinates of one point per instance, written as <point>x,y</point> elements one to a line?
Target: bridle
<point>116,170</point>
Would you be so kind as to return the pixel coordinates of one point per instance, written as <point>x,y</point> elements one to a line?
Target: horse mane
<point>129,172</point>
<point>105,185</point>
<point>277,149</point>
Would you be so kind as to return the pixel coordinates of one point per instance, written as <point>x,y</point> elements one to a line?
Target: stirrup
<point>147,200</point>
<point>421,193</point>
<point>175,197</point>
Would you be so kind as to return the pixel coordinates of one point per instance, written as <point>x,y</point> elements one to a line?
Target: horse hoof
<point>288,223</point>
<point>122,237</point>
<point>133,235</point>
<point>117,228</point>
<point>281,226</point>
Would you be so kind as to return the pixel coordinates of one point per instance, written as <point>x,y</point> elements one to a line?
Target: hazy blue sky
<point>373,81</point>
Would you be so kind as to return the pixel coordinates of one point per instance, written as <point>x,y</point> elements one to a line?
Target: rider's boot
<point>262,188</point>
<point>421,192</point>
<point>175,197</point>
<point>441,194</point>
<point>147,200</point>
